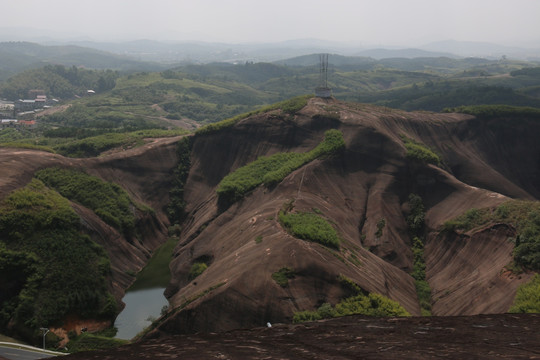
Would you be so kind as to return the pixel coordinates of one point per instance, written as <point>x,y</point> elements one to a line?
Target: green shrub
<point>197,269</point>
<point>420,152</point>
<point>41,238</point>
<point>370,305</point>
<point>95,145</point>
<point>523,215</point>
<point>380,226</point>
<point>497,111</point>
<point>282,276</point>
<point>177,204</point>
<point>108,200</point>
<point>273,169</point>
<point>23,145</point>
<point>246,178</point>
<point>310,226</point>
<point>289,106</point>
<point>88,342</point>
<point>527,298</point>
<point>415,222</point>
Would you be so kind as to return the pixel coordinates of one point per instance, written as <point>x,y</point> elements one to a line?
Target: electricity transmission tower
<point>322,90</point>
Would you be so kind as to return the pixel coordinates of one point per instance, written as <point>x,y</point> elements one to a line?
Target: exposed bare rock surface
<point>473,337</point>
<point>368,181</point>
<point>484,164</point>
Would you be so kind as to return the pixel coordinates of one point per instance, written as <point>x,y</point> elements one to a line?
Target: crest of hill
<point>370,180</point>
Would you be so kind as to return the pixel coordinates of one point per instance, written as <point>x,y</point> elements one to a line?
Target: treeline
<point>436,96</point>
<point>58,81</point>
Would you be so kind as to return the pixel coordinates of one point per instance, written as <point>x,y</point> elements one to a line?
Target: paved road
<point>21,354</point>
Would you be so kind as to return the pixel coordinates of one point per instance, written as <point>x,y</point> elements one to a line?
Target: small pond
<point>142,306</point>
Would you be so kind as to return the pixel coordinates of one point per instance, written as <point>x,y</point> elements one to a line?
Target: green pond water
<point>144,299</point>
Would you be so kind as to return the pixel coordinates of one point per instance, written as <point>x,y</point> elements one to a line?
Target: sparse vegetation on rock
<point>420,152</point>
<point>273,169</point>
<point>523,215</point>
<point>527,298</point>
<point>175,209</point>
<point>197,269</point>
<point>282,276</point>
<point>310,226</point>
<point>415,223</point>
<point>370,305</point>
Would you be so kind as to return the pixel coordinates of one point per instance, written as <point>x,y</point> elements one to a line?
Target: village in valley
<point>22,112</point>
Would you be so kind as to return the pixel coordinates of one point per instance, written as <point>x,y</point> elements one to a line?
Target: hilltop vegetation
<point>41,238</point>
<point>58,81</point>
<point>108,200</point>
<point>213,92</point>
<point>523,215</point>
<point>273,169</point>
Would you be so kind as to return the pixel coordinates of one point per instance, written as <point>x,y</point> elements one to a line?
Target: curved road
<point>22,353</point>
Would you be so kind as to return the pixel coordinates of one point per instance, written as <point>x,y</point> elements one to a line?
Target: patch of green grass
<point>156,273</point>
<point>527,298</point>
<point>310,226</point>
<point>89,342</point>
<point>258,239</point>
<point>282,276</point>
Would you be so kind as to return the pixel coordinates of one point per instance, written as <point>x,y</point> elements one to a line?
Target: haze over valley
<point>277,180</point>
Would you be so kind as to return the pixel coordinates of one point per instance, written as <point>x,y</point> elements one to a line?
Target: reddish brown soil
<point>474,337</point>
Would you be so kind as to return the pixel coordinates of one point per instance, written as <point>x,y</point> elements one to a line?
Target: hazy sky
<point>388,22</point>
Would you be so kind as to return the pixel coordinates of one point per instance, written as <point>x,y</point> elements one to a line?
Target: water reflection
<point>140,306</point>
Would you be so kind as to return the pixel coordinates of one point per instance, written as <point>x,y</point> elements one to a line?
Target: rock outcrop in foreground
<point>353,337</point>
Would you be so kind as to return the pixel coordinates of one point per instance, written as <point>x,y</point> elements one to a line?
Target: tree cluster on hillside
<point>40,240</point>
<point>58,81</point>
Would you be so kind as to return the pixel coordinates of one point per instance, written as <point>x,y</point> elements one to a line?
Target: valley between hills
<point>417,200</point>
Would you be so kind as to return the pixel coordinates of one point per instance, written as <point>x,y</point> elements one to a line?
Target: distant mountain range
<point>150,55</point>
<point>19,56</point>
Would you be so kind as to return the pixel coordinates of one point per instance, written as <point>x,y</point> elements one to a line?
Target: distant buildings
<point>7,110</point>
<point>14,123</point>
<point>39,102</point>
<point>13,113</point>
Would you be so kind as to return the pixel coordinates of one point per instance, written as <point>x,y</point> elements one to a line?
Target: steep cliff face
<point>244,244</point>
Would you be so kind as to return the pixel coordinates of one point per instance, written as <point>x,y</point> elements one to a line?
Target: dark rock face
<point>352,337</point>
<point>370,180</point>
